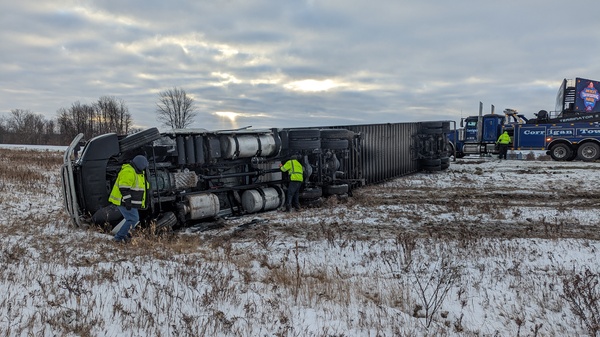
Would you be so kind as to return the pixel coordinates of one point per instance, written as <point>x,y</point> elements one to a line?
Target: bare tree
<point>66,125</point>
<point>79,118</point>
<point>175,108</point>
<point>26,127</point>
<point>112,115</point>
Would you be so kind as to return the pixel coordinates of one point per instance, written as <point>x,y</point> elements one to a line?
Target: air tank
<point>246,146</point>
<point>201,206</point>
<point>262,199</point>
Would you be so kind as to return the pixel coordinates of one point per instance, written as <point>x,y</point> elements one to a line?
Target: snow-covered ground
<point>485,248</point>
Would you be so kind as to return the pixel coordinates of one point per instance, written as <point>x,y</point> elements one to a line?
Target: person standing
<point>503,142</point>
<point>295,171</point>
<point>129,195</point>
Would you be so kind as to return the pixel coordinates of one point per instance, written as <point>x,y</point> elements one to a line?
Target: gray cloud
<point>282,63</point>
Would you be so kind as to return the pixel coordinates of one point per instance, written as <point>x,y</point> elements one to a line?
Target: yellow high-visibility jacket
<point>504,138</point>
<point>294,168</point>
<point>129,184</point>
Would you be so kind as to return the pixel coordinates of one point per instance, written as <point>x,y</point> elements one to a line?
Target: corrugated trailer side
<point>385,151</point>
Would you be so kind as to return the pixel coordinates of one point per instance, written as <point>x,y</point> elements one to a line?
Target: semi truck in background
<point>571,131</point>
<point>196,174</point>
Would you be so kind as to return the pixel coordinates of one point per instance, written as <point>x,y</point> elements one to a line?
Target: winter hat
<point>140,162</point>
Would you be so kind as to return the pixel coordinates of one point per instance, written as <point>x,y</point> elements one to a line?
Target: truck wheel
<point>166,221</point>
<point>588,151</point>
<point>445,162</point>
<point>432,125</point>
<point>304,133</point>
<point>446,127</point>
<point>311,193</point>
<point>432,128</point>
<point>573,156</point>
<point>561,152</point>
<point>334,144</point>
<point>136,140</point>
<point>336,134</point>
<point>304,144</point>
<point>304,139</point>
<point>433,131</point>
<point>431,162</point>
<point>432,168</point>
<point>335,189</point>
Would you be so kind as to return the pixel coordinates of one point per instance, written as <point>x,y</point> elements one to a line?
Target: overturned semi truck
<point>197,175</point>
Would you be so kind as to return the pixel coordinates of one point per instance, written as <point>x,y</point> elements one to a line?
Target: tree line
<point>175,109</point>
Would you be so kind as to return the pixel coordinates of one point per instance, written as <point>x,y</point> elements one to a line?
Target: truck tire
<point>573,156</point>
<point>561,152</point>
<point>304,144</point>
<point>433,131</point>
<point>311,193</point>
<point>588,151</point>
<point>446,127</point>
<point>335,189</point>
<point>431,162</point>
<point>304,134</point>
<point>336,134</point>
<point>304,139</point>
<point>166,221</point>
<point>138,139</point>
<point>445,162</point>
<point>432,128</point>
<point>432,168</point>
<point>334,144</point>
<point>432,125</point>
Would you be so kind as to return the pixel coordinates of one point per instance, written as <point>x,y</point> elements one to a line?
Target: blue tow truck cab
<point>569,132</point>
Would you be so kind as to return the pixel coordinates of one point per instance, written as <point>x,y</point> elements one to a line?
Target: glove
<point>127,203</point>
<point>126,197</point>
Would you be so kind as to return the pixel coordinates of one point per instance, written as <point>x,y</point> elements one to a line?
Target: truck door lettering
<point>560,132</point>
<point>534,132</point>
<point>588,132</point>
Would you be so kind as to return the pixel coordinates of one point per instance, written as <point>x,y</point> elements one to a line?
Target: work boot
<point>287,208</point>
<point>297,208</point>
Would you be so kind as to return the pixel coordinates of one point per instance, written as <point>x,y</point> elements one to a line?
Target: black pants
<point>503,149</point>
<point>293,195</point>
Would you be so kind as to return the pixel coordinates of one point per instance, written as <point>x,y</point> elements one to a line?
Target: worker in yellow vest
<point>129,194</point>
<point>503,142</point>
<point>295,171</point>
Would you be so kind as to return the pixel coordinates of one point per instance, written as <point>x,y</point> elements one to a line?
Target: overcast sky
<point>278,63</point>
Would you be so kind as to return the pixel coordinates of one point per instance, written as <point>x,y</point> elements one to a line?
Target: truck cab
<point>477,135</point>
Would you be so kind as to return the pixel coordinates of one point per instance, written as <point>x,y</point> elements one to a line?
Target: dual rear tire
<point>589,151</point>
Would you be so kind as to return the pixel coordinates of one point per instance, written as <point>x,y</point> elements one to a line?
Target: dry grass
<point>407,258</point>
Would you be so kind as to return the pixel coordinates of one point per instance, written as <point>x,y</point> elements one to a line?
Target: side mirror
<point>462,122</point>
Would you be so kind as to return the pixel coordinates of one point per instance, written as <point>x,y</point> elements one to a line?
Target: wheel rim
<point>589,152</point>
<point>560,152</point>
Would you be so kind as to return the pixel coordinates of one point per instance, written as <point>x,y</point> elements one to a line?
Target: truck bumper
<point>68,182</point>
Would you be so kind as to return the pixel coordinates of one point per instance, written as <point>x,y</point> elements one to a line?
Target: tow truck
<point>571,131</point>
